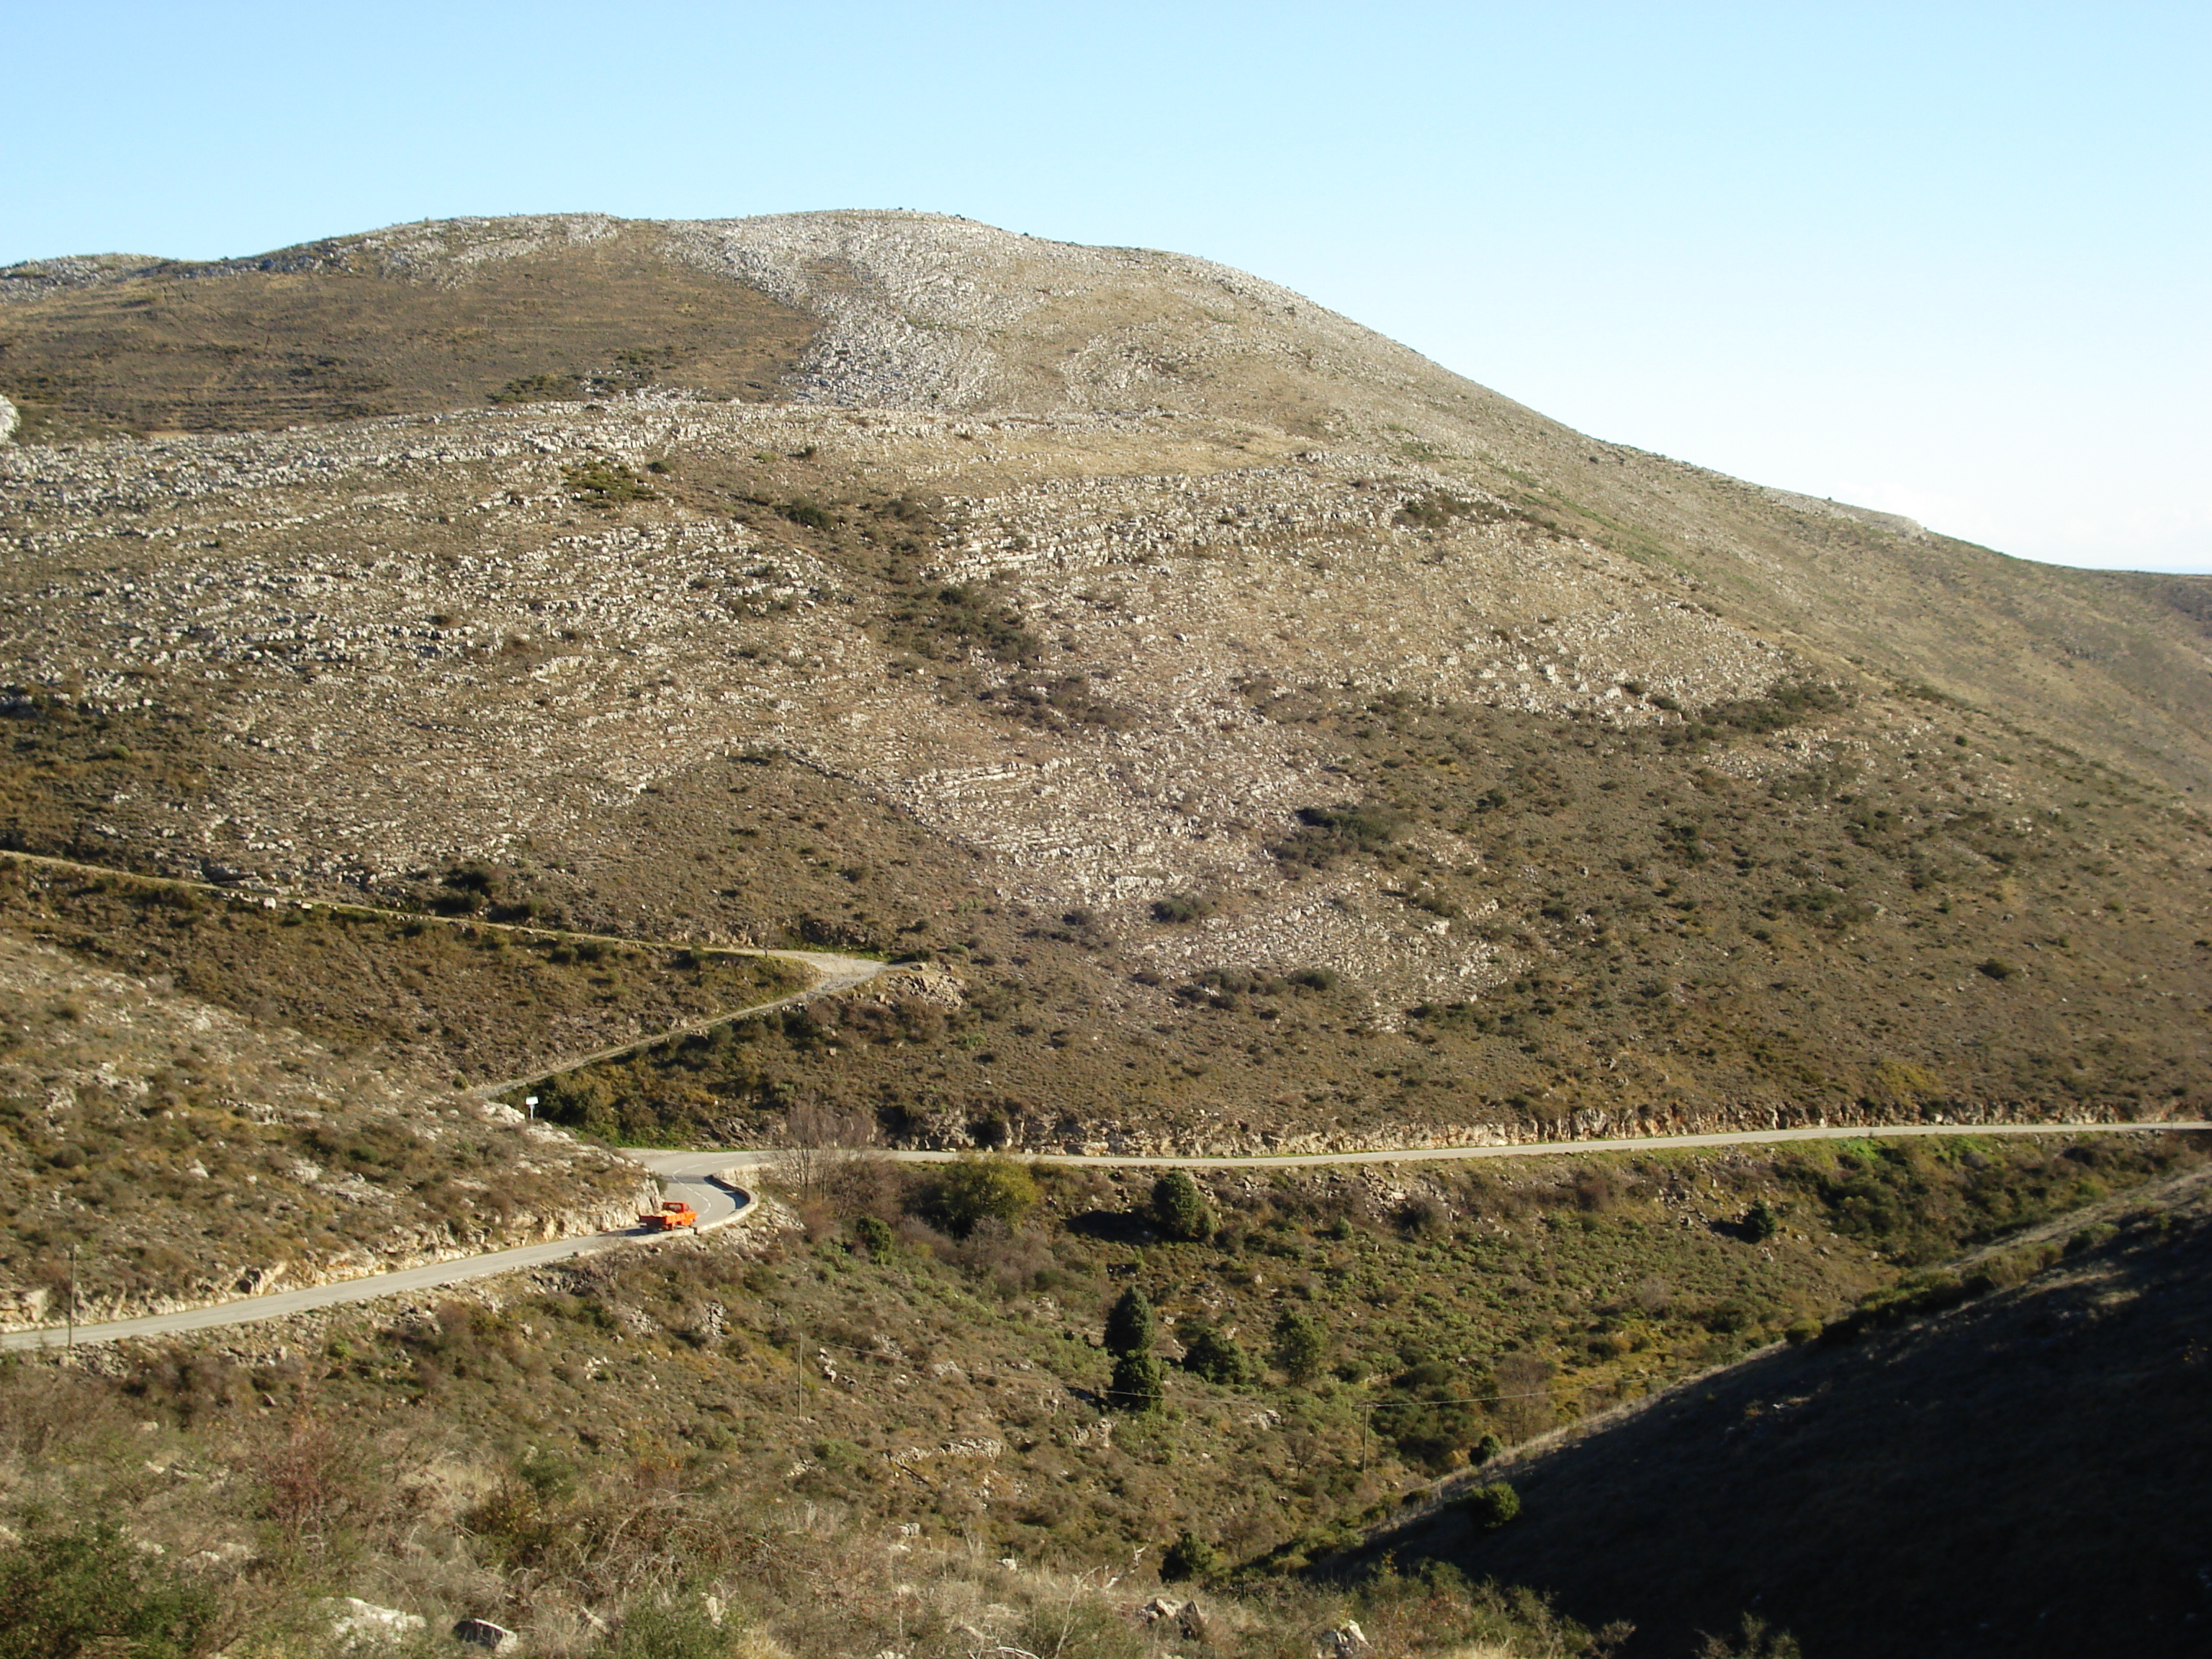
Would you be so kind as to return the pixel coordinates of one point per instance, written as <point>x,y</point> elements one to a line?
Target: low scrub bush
<point>87,1590</point>
<point>1490,1507</point>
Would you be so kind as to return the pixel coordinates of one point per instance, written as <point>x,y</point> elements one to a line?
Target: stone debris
<point>435,652</point>
<point>355,1620</point>
<point>483,1633</point>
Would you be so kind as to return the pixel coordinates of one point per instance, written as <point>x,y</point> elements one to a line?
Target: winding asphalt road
<point>711,1180</point>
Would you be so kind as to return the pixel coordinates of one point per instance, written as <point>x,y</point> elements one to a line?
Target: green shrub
<point>655,1627</point>
<point>88,1591</point>
<point>1761,1221</point>
<point>1137,1384</point>
<point>604,484</point>
<point>1491,1507</point>
<point>1189,1557</point>
<point>1182,908</point>
<point>977,1185</point>
<point>1326,834</point>
<point>1179,1208</point>
<point>1131,1325</point>
<point>874,1234</point>
<point>1301,1345</point>
<point>1429,1413</point>
<point>1491,1446</point>
<point>1216,1356</point>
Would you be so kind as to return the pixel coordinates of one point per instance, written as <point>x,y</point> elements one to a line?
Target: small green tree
<point>1492,1506</point>
<point>1189,1557</point>
<point>1488,1447</point>
<point>1131,1325</point>
<point>1429,1414</point>
<point>1301,1345</point>
<point>1761,1221</point>
<point>875,1237</point>
<point>87,1590</point>
<point>1179,1208</point>
<point>1215,1356</point>
<point>1137,1384</point>
<point>979,1185</point>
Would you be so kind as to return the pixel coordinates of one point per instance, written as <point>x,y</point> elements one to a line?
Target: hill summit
<point>1277,739</point>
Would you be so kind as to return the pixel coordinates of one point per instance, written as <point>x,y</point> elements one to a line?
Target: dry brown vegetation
<point>336,331</point>
<point>183,1155</point>
<point>450,996</point>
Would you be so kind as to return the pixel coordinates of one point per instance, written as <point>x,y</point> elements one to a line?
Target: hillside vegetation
<point>2015,1477</point>
<point>438,652</point>
<point>159,1151</point>
<point>755,1417</point>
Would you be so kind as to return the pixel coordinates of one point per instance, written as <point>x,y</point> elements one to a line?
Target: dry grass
<point>206,349</point>
<point>186,1155</point>
<point>403,991</point>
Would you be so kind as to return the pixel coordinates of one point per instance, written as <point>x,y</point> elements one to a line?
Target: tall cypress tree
<point>1131,1325</point>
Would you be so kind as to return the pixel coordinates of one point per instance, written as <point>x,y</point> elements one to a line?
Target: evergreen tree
<point>1179,1208</point>
<point>1301,1344</point>
<point>1131,1325</point>
<point>1138,1385</point>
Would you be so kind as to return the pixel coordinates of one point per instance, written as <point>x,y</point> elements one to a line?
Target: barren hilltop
<point>1277,740</point>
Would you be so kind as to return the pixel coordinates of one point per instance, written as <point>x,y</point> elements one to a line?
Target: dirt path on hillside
<point>721,1168</point>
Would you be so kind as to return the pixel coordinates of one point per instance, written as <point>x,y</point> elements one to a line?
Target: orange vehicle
<point>672,1214</point>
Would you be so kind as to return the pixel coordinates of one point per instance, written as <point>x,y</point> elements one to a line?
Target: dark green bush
<point>658,1627</point>
<point>1182,908</point>
<point>1326,834</point>
<point>976,1186</point>
<point>1189,1557</point>
<point>1179,1208</point>
<point>1492,1506</point>
<point>1301,1345</point>
<point>1131,1325</point>
<point>1215,1356</point>
<point>1138,1385</point>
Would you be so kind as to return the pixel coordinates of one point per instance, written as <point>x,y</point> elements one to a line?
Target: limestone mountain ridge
<point>1279,736</point>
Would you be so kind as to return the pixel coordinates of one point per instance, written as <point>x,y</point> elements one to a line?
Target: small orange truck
<point>673,1213</point>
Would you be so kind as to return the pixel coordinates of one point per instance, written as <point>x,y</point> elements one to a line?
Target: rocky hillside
<point>1278,736</point>
<point>183,1155</point>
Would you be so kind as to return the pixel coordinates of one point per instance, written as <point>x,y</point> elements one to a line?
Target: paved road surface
<point>711,1181</point>
<point>717,1203</point>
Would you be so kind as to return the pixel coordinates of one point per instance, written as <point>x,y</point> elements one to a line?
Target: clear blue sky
<point>1946,259</point>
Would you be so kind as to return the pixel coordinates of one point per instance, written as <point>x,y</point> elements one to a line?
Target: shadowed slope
<point>2025,1476</point>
